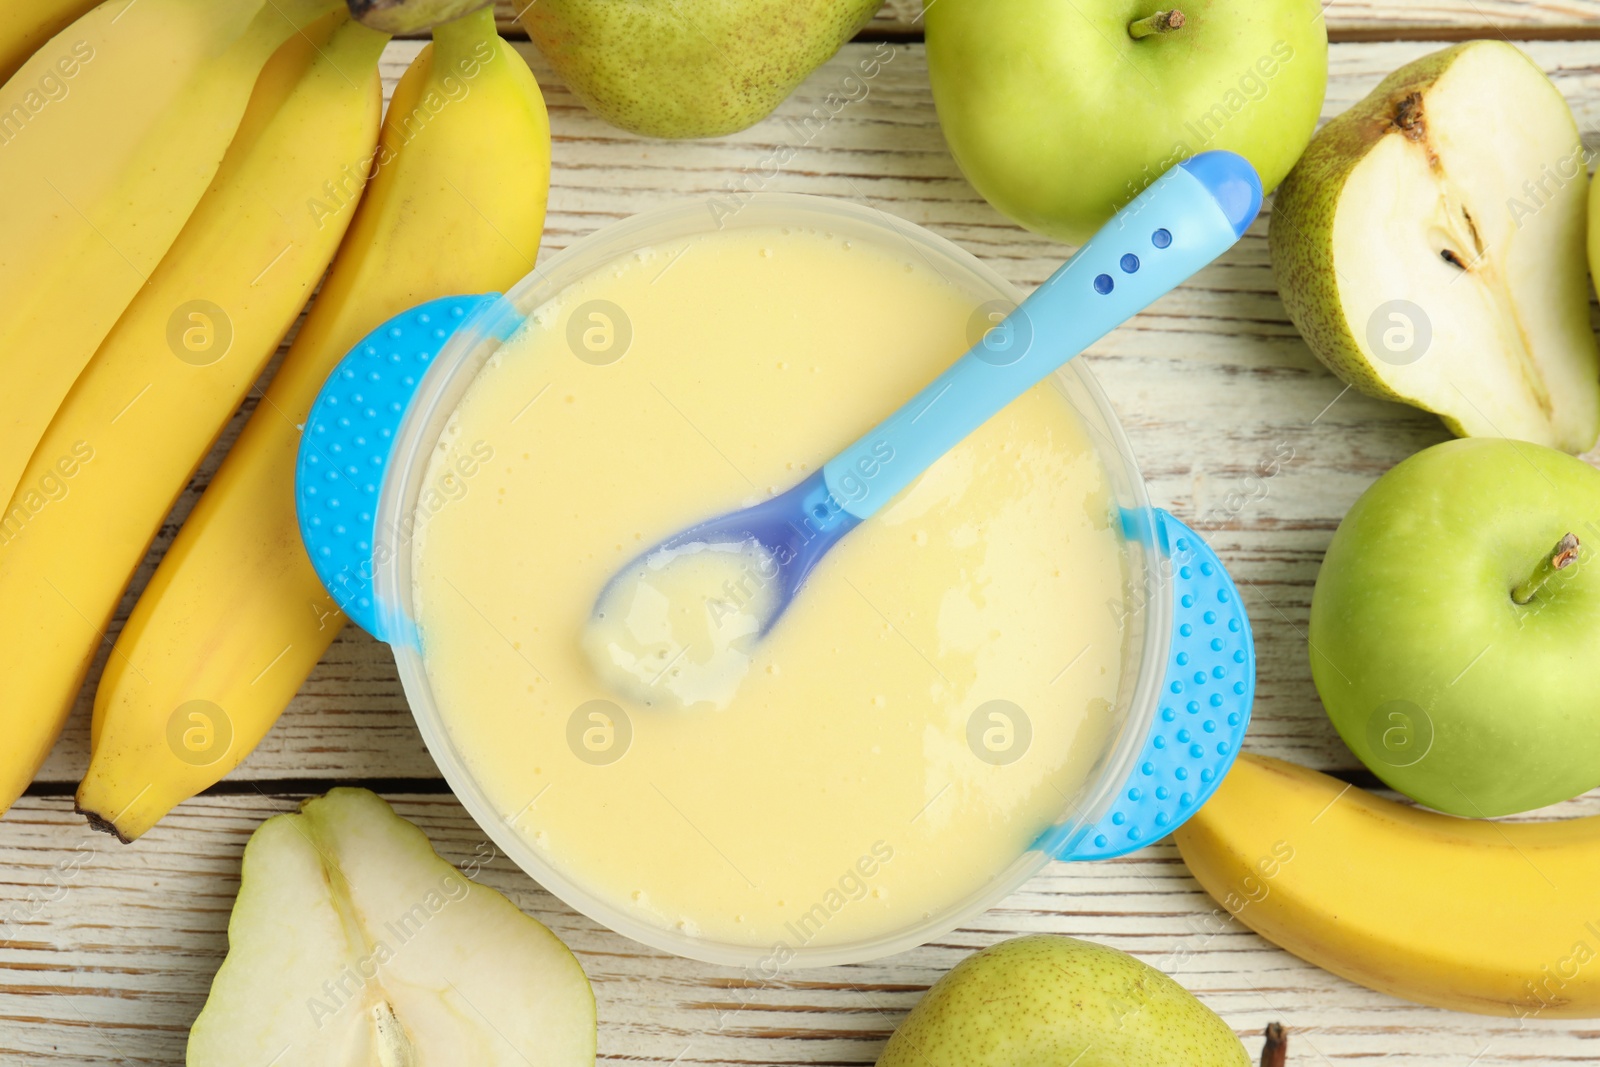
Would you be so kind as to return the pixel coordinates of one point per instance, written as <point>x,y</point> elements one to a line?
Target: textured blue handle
<point>344,452</point>
<point>1205,703</point>
<point>1185,219</point>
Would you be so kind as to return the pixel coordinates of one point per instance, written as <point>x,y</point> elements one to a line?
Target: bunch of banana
<point>172,371</point>
<point>235,617</point>
<point>1488,917</point>
<point>109,136</point>
<point>25,25</point>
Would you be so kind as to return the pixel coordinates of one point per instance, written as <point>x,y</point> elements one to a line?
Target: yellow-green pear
<point>666,68</point>
<point>1045,1000</point>
<point>1430,247</point>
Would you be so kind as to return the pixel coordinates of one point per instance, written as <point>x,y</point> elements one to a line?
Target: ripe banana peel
<point>109,136</point>
<point>1489,917</point>
<point>172,371</point>
<point>25,25</point>
<point>235,617</point>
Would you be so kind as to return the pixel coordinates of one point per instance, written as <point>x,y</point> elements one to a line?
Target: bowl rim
<point>1148,619</point>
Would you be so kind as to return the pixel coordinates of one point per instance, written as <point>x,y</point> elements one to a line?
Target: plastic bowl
<point>1148,694</point>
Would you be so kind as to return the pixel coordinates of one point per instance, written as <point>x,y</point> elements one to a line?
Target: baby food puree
<point>931,702</point>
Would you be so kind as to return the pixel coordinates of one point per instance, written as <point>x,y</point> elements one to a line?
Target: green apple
<point>1455,627</point>
<point>352,944</point>
<point>1060,113</point>
<point>665,68</point>
<point>1429,246</point>
<point>1045,999</point>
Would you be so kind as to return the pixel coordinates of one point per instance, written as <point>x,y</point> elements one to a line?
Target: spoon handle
<point>1189,216</point>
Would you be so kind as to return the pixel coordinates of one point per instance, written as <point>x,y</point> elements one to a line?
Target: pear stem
<point>1275,1052</point>
<point>1564,555</point>
<point>1160,22</point>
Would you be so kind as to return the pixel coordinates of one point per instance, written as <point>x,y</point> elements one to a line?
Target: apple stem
<point>1275,1053</point>
<point>1564,555</point>
<point>1160,22</point>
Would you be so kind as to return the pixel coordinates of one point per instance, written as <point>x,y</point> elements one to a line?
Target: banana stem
<point>462,34</point>
<point>1275,1052</point>
<point>1160,22</point>
<point>1564,555</point>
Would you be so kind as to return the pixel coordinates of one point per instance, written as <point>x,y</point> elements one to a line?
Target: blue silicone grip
<point>1203,709</point>
<point>348,441</point>
<point>1188,217</point>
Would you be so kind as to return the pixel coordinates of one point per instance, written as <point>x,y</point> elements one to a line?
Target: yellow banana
<point>171,372</point>
<point>1488,917</point>
<point>235,617</point>
<point>25,25</point>
<point>109,136</point>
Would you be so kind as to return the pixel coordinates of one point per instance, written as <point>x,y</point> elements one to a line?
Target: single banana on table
<point>25,25</point>
<point>173,370</point>
<point>1489,917</point>
<point>235,618</point>
<point>109,136</point>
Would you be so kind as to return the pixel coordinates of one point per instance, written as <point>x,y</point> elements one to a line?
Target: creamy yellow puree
<point>925,708</point>
<point>678,627</point>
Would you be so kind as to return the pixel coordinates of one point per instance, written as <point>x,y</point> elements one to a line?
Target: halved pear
<point>1429,245</point>
<point>353,944</point>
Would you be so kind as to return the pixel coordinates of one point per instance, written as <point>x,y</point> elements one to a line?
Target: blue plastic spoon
<point>1188,217</point>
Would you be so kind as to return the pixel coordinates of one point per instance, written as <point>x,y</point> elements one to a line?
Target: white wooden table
<point>106,951</point>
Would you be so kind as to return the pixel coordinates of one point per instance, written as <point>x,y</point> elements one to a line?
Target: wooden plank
<point>109,962</point>
<point>111,950</point>
<point>1212,382</point>
<point>1348,20</point>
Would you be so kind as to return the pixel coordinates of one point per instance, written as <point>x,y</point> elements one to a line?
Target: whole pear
<point>663,68</point>
<point>1043,999</point>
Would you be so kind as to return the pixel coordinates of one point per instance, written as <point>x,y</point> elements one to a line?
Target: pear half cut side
<point>1429,246</point>
<point>353,944</point>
